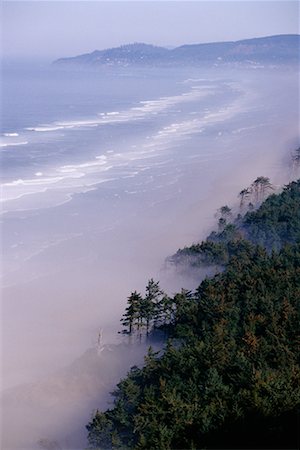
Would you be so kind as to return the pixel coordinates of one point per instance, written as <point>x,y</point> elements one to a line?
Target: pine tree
<point>260,188</point>
<point>151,304</point>
<point>167,311</point>
<point>131,317</point>
<point>244,194</point>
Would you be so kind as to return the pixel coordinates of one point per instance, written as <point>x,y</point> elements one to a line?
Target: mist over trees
<point>142,313</point>
<point>273,224</point>
<point>295,162</point>
<point>256,193</point>
<point>229,376</point>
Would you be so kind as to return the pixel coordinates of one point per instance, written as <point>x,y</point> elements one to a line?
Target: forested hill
<point>279,49</point>
<point>229,376</point>
<point>275,223</point>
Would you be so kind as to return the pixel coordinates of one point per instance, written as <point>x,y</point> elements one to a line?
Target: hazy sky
<point>52,29</point>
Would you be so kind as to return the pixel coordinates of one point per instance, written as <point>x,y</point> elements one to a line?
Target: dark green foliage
<point>151,304</point>
<point>238,361</point>
<point>132,317</point>
<point>215,251</point>
<point>230,232</point>
<point>229,376</point>
<point>146,313</point>
<point>275,223</point>
<point>100,431</point>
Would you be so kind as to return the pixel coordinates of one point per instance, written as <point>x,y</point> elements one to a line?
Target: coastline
<point>85,296</point>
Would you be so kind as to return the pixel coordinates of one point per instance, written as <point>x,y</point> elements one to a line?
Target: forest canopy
<point>229,376</point>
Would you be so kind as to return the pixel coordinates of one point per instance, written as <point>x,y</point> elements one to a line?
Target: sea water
<point>104,175</point>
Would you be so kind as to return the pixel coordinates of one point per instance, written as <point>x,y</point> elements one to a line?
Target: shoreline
<point>70,287</point>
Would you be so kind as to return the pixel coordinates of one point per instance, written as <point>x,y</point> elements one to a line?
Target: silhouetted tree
<point>260,188</point>
<point>150,304</point>
<point>131,319</point>
<point>244,195</point>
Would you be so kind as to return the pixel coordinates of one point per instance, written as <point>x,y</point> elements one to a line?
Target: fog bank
<point>79,261</point>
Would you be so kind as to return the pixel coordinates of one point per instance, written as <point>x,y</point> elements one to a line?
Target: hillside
<point>229,376</point>
<point>275,223</point>
<point>266,50</point>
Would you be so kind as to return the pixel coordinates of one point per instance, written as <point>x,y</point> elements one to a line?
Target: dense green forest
<point>275,223</point>
<point>229,376</point>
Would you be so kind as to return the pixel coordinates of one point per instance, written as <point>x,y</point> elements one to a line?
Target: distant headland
<point>280,49</point>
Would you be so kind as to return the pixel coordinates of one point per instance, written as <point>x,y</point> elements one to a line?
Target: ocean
<point>105,174</point>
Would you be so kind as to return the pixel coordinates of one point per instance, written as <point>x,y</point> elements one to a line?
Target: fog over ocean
<point>104,175</point>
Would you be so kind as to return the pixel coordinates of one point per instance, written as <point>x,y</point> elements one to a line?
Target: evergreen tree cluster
<point>143,314</point>
<point>229,377</point>
<point>275,223</point>
<point>256,192</point>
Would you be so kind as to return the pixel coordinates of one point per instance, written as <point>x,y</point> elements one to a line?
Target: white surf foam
<point>144,109</point>
<point>46,128</point>
<point>12,144</point>
<point>75,177</point>
<point>71,177</point>
<point>32,182</point>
